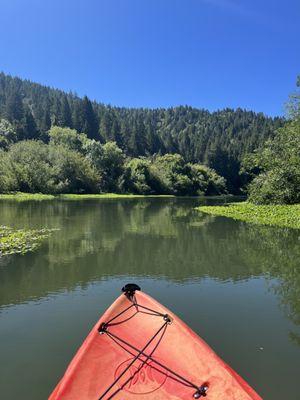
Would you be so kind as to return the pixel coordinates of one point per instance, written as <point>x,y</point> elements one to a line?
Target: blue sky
<point>157,53</point>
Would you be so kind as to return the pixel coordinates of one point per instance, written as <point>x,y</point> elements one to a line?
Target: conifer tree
<point>30,130</point>
<point>77,116</point>
<point>194,133</point>
<point>66,115</point>
<point>46,122</point>
<point>105,126</point>
<point>14,107</point>
<point>89,119</point>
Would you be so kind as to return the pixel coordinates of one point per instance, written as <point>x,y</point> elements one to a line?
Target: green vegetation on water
<point>285,216</point>
<point>20,196</point>
<point>21,241</point>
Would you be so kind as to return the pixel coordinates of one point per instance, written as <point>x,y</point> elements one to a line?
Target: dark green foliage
<point>276,167</point>
<point>45,123</point>
<point>30,130</point>
<point>219,139</point>
<point>85,118</point>
<point>206,181</point>
<point>14,110</point>
<point>72,173</point>
<point>73,163</point>
<point>140,178</point>
<point>178,178</point>
<point>29,169</point>
<point>174,174</point>
<point>107,159</point>
<point>110,165</point>
<point>227,165</point>
<point>66,115</point>
<point>7,177</point>
<point>279,163</point>
<point>90,122</point>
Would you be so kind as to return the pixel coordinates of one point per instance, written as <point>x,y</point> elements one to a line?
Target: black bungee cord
<point>129,291</point>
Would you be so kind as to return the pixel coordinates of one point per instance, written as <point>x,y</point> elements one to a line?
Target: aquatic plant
<point>21,241</point>
<point>20,196</point>
<point>285,216</point>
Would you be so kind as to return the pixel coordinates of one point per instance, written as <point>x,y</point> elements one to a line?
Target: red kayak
<point>141,350</point>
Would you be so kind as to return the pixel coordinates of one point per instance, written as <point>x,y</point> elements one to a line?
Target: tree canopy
<point>217,139</point>
<point>33,166</point>
<point>276,166</point>
<point>73,163</point>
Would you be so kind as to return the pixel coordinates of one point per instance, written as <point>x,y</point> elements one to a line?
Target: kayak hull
<point>122,362</point>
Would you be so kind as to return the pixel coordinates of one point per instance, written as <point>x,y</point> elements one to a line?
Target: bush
<point>139,178</point>
<point>7,178</point>
<point>32,166</point>
<point>180,178</point>
<point>72,173</point>
<point>172,172</point>
<point>275,187</point>
<point>278,164</point>
<point>29,167</point>
<point>206,181</point>
<point>111,166</point>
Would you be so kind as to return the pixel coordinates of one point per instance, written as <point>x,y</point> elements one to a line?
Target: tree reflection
<point>157,238</point>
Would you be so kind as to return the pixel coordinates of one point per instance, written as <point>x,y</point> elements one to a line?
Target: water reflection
<point>149,237</point>
<point>235,275</point>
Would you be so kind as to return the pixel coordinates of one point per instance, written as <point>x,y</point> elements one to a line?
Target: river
<point>237,285</point>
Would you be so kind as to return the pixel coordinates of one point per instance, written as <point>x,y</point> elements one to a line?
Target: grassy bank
<point>14,241</point>
<point>286,216</point>
<point>19,196</point>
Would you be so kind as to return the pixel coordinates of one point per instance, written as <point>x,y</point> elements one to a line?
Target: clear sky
<point>157,53</point>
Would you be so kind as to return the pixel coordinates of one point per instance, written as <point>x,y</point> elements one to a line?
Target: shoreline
<point>22,196</point>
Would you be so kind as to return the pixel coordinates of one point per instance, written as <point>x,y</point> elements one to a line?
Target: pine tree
<point>14,107</point>
<point>90,123</point>
<point>105,125</point>
<point>78,117</point>
<point>46,122</point>
<point>194,133</point>
<point>30,130</point>
<point>116,133</point>
<point>66,115</point>
<point>56,112</point>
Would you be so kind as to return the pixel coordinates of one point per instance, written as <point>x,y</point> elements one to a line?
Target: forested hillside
<point>218,139</point>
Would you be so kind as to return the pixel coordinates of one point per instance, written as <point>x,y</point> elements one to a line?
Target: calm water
<point>236,285</point>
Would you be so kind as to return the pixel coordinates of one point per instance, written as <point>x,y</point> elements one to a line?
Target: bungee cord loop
<point>141,354</point>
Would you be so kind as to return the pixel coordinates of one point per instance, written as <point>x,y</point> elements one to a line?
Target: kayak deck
<point>139,348</point>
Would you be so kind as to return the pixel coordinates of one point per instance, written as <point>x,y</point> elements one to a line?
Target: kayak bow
<point>139,348</point>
